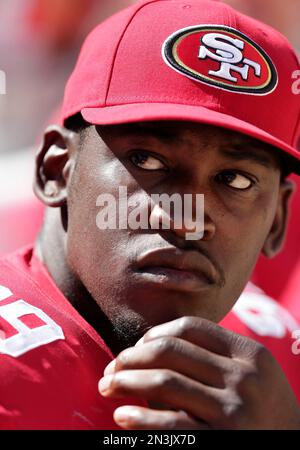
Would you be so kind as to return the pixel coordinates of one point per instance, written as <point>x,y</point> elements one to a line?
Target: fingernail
<point>124,413</point>
<point>140,342</point>
<point>104,383</point>
<point>110,368</point>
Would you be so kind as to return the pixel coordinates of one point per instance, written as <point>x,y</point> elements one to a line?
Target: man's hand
<point>203,376</point>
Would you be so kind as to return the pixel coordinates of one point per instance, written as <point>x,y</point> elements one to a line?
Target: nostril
<point>209,231</point>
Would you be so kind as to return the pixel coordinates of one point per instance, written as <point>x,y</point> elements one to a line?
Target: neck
<point>50,249</point>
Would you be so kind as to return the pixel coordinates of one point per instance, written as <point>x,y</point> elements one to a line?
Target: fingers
<point>200,332</point>
<point>170,388</point>
<point>139,418</point>
<point>189,364</point>
<point>177,355</point>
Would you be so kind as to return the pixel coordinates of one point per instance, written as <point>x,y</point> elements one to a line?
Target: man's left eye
<point>234,180</point>
<point>146,161</point>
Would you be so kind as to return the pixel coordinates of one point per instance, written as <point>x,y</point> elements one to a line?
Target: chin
<point>129,327</point>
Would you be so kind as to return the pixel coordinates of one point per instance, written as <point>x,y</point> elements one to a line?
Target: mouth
<point>175,269</point>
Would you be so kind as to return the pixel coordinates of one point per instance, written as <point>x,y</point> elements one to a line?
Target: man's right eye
<point>146,161</point>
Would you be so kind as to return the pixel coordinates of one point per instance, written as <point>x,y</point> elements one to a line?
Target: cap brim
<point>140,112</point>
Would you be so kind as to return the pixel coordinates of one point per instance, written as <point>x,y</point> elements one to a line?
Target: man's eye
<point>146,161</point>
<point>234,180</point>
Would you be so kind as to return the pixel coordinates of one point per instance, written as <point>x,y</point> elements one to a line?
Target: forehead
<point>175,130</point>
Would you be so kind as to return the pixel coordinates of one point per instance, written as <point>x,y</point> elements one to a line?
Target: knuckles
<point>154,351</point>
<point>124,360</point>
<point>249,386</point>
<point>165,382</point>
<point>188,324</point>
<point>264,360</point>
<point>181,327</point>
<point>244,378</point>
<point>163,346</point>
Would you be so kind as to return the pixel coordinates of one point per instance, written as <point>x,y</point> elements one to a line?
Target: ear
<point>276,236</point>
<point>53,165</point>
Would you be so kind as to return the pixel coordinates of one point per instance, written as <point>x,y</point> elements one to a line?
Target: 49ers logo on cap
<point>222,57</point>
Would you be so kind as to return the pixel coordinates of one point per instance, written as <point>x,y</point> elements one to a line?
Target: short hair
<point>77,124</point>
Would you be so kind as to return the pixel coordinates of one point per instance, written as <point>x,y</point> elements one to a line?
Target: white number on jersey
<point>263,315</point>
<point>26,338</point>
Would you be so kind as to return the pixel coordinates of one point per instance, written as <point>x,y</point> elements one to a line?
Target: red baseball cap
<point>196,60</point>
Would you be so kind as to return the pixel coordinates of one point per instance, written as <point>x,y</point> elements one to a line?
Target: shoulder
<point>26,316</point>
<point>47,353</point>
<point>34,312</point>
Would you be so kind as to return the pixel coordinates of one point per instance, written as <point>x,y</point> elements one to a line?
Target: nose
<point>186,228</point>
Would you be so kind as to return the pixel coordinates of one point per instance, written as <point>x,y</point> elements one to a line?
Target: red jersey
<point>51,359</point>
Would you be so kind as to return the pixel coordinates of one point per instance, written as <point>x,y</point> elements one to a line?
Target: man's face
<point>128,272</point>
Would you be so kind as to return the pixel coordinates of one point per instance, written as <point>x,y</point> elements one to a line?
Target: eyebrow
<point>247,152</point>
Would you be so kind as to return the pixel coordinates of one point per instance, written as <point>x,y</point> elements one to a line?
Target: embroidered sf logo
<point>221,57</point>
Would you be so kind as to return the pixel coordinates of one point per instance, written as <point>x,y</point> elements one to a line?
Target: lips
<point>179,269</point>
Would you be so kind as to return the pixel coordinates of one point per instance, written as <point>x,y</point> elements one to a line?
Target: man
<point>167,97</point>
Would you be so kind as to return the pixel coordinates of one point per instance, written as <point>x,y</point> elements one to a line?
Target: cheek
<point>91,249</point>
<point>241,237</point>
<point>246,224</point>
